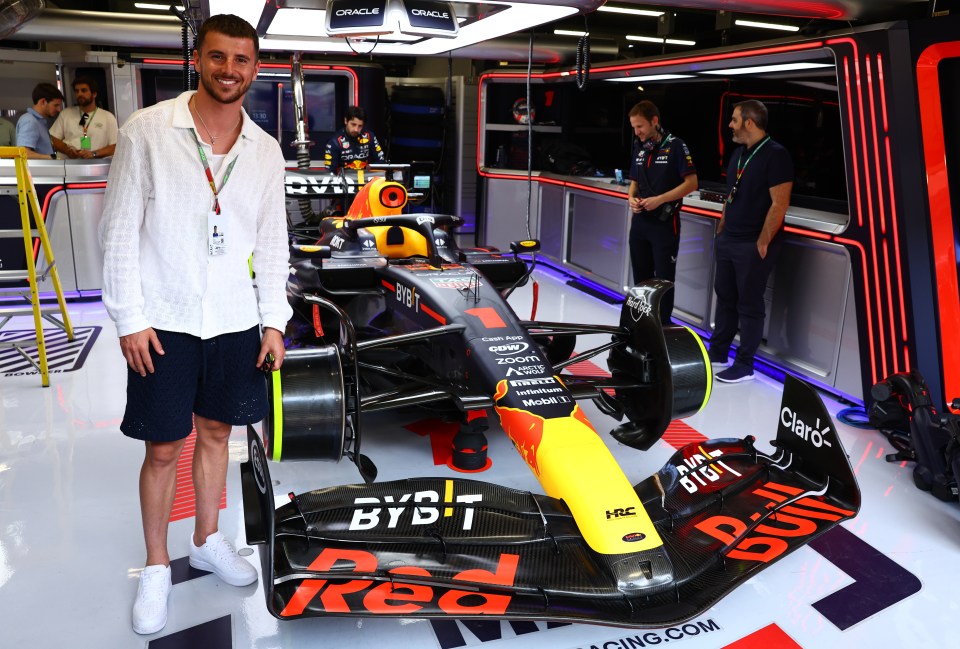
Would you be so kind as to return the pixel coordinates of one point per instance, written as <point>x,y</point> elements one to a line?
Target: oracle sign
<point>429,17</point>
<point>356,16</point>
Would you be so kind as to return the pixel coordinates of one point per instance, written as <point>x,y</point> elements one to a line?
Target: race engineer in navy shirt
<point>352,147</point>
<point>750,236</point>
<point>661,174</point>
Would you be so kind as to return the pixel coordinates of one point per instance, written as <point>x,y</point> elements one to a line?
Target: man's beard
<point>214,89</point>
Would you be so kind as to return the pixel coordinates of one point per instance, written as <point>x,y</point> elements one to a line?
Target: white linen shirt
<point>102,128</point>
<point>156,268</point>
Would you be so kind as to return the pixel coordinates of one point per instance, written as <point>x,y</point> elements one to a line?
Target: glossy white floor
<point>71,548</point>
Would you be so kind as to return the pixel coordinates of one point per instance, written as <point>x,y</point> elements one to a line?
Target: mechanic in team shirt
<point>661,174</point>
<point>352,147</point>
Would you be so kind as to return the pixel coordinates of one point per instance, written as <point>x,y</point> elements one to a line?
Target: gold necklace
<point>213,138</point>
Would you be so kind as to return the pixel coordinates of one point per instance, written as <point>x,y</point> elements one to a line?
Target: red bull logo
<point>524,429</point>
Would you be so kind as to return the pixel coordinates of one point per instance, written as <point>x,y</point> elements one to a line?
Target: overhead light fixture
<point>653,77</point>
<point>153,6</point>
<point>293,22</point>
<point>760,25</point>
<point>635,12</point>
<point>568,32</point>
<point>762,69</point>
<point>660,40</point>
<point>819,85</point>
<point>301,35</point>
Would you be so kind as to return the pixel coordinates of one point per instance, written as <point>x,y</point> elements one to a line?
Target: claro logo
<point>366,11</point>
<point>394,597</point>
<point>813,434</point>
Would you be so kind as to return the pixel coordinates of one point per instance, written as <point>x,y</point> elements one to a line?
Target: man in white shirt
<point>85,130</point>
<point>185,306</point>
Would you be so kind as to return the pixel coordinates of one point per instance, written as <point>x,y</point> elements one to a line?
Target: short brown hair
<point>46,91</point>
<point>646,108</point>
<point>228,25</point>
<point>755,110</point>
<point>87,81</point>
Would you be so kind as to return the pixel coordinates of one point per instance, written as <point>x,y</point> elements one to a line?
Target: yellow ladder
<point>28,203</point>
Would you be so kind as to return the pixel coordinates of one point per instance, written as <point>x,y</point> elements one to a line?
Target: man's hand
<point>136,349</point>
<point>272,343</point>
<point>650,203</point>
<point>83,153</point>
<point>635,205</point>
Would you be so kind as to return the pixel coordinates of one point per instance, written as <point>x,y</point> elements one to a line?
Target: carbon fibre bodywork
<point>395,314</point>
<point>462,548</point>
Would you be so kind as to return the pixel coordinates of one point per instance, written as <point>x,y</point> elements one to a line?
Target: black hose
<point>583,57</point>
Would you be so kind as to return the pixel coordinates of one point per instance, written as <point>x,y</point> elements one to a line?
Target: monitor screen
<point>421,182</point>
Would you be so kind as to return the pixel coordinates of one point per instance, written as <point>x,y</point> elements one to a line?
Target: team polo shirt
<point>32,132</point>
<point>770,166</point>
<point>102,127</point>
<point>661,168</point>
<point>350,152</point>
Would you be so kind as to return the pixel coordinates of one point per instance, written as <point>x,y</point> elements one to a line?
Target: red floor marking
<point>679,434</point>
<point>767,637</point>
<point>441,435</point>
<point>184,502</point>
<point>588,368</point>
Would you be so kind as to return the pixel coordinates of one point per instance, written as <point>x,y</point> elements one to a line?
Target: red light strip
<point>866,296</point>
<point>853,152</point>
<point>868,187</point>
<point>942,234</point>
<point>876,145</point>
<point>43,214</point>
<point>553,181</point>
<point>888,276</point>
<point>799,47</point>
<point>853,136</point>
<point>884,243</point>
<point>883,92</point>
<point>283,66</point>
<point>697,210</point>
<point>896,238</point>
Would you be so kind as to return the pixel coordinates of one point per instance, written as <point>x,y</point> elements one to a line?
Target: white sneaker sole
<point>748,377</point>
<point>149,630</point>
<point>199,564</point>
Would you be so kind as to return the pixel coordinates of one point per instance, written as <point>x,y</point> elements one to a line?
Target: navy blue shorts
<point>215,378</point>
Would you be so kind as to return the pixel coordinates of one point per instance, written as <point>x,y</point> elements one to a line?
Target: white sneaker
<point>217,555</point>
<point>150,607</point>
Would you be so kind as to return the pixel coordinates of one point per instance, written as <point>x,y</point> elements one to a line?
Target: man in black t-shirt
<point>750,235</point>
<point>661,174</point>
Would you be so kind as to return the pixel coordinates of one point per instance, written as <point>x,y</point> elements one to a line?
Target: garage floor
<point>71,546</point>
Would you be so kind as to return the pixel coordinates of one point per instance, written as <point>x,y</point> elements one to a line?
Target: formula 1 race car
<point>391,314</point>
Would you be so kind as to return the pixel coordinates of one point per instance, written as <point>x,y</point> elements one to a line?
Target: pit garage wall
<point>877,277</point>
